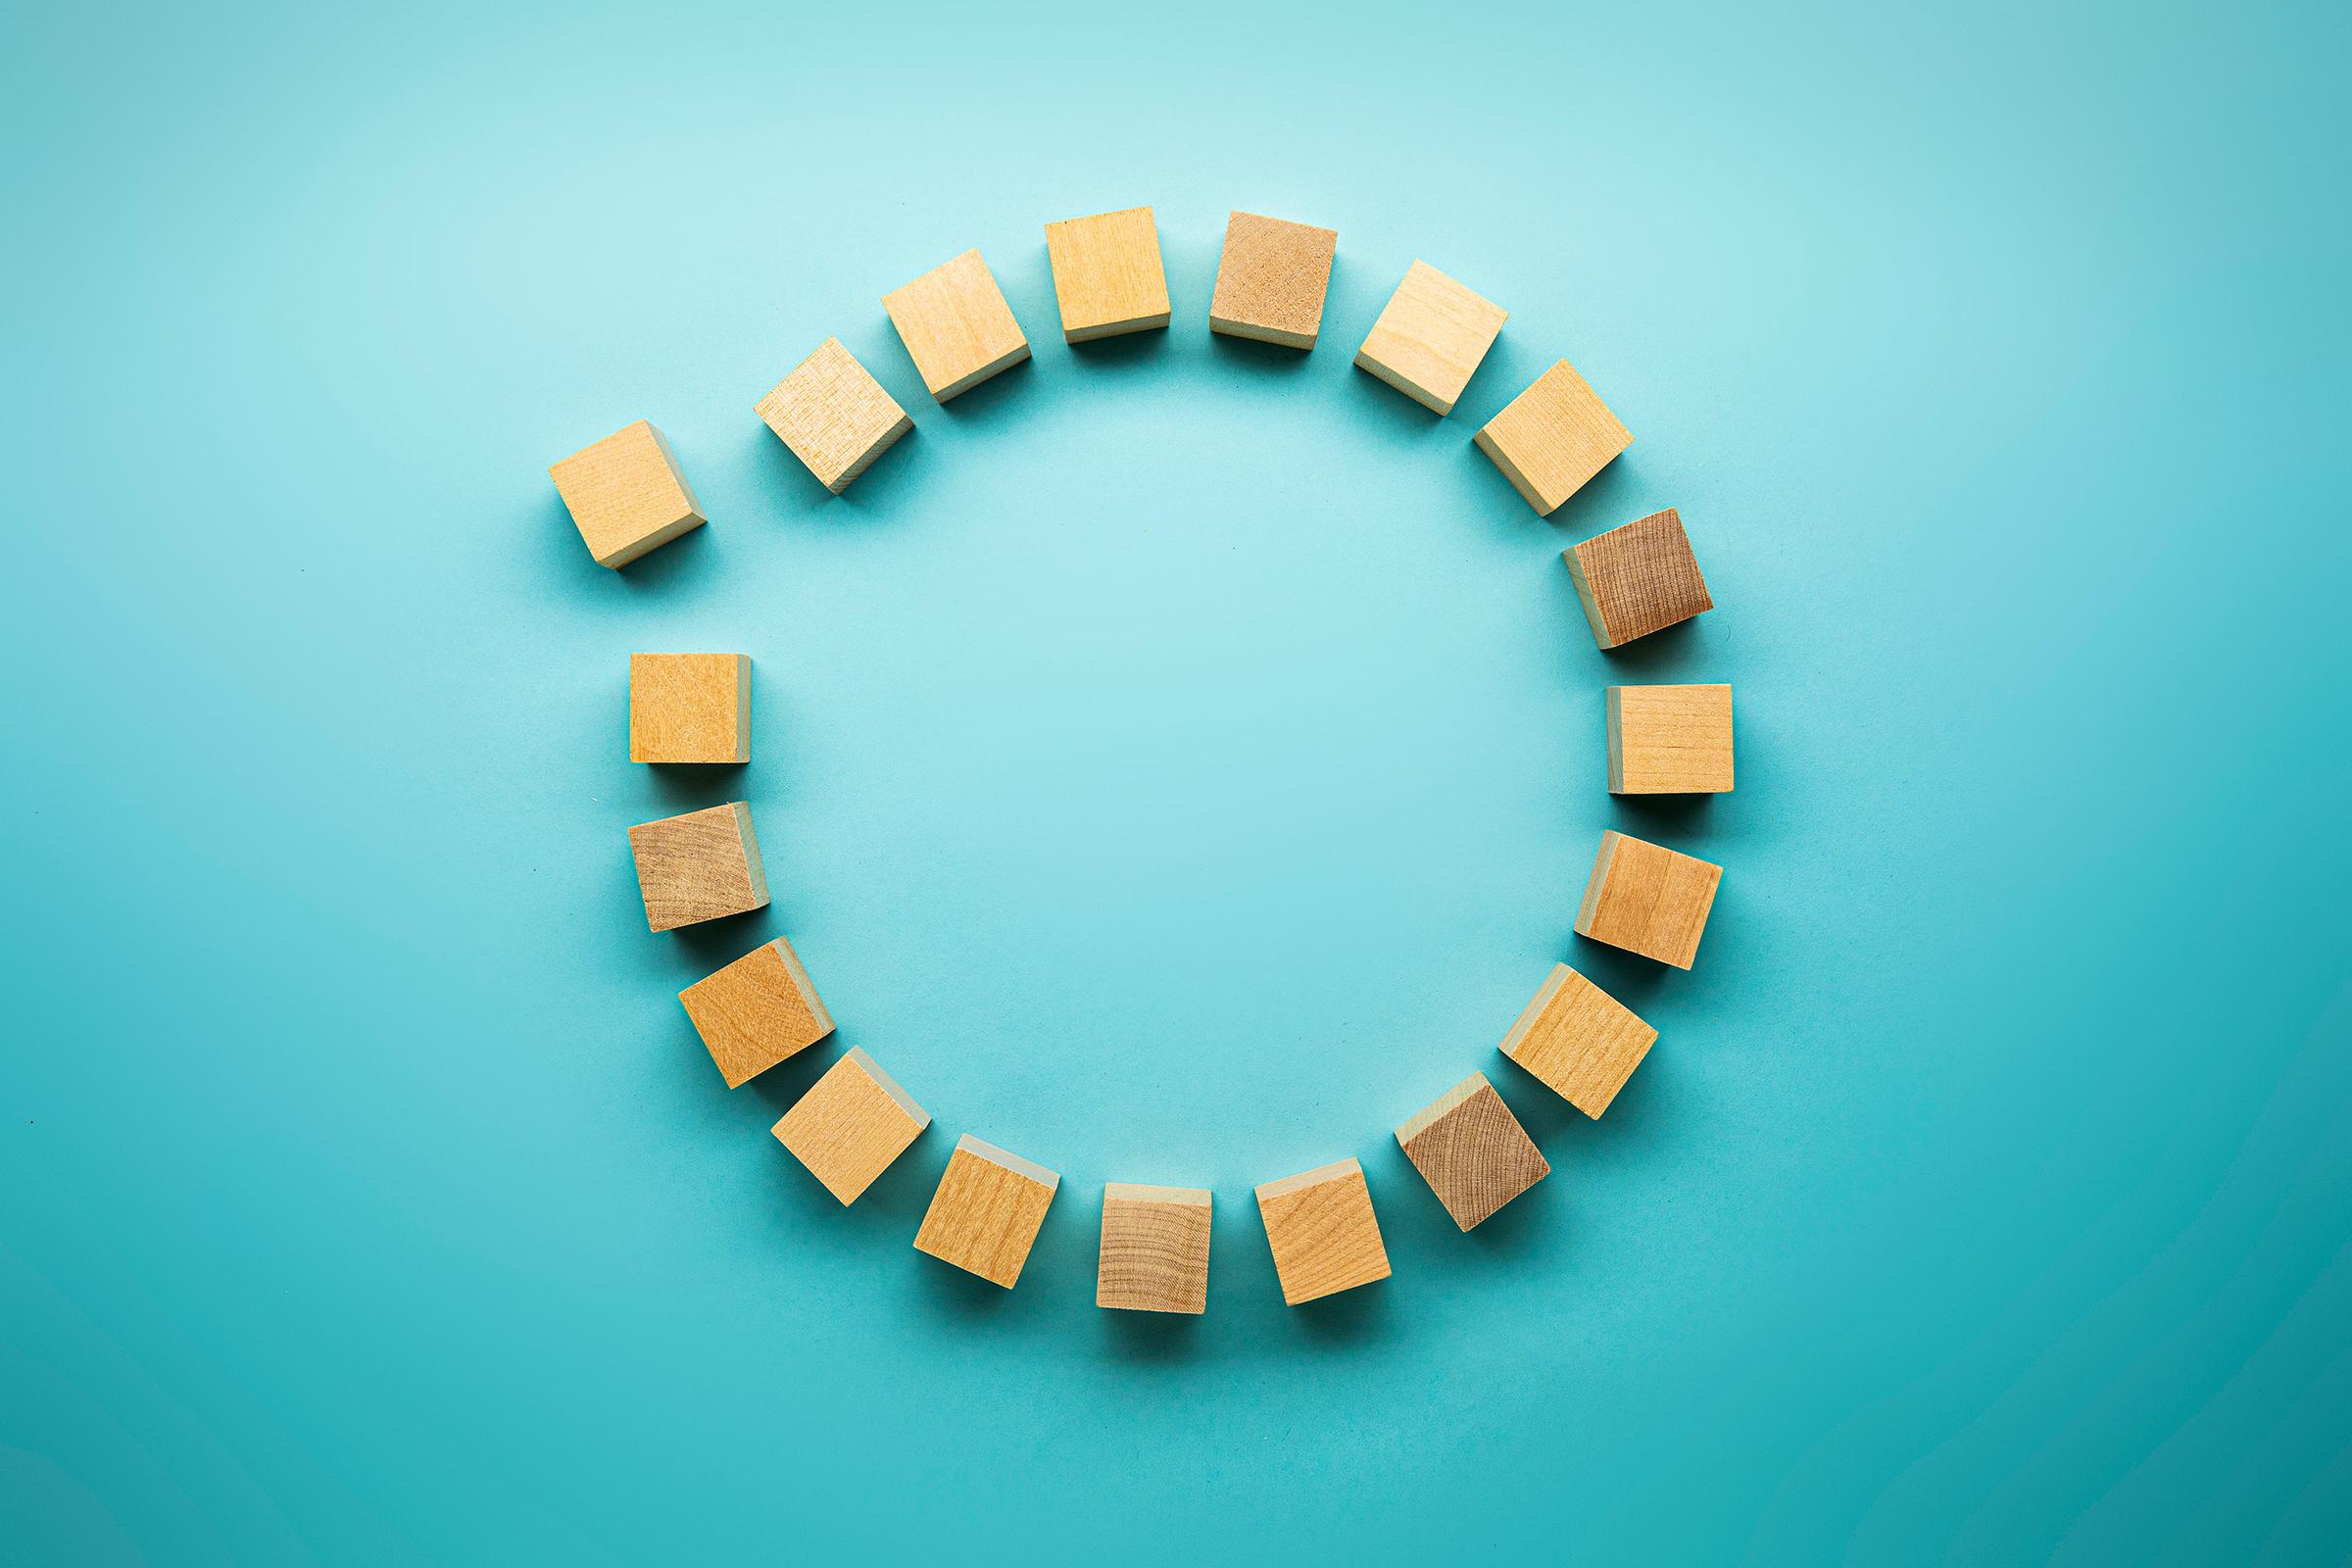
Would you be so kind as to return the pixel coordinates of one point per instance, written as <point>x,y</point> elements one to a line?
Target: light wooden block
<point>1272,280</point>
<point>1155,1248</point>
<point>1552,437</point>
<point>850,1124</point>
<point>1635,579</point>
<point>690,708</point>
<point>956,326</point>
<point>834,416</point>
<point>1472,1151</point>
<point>697,866</point>
<point>1670,740</point>
<point>757,1012</point>
<point>984,1217</point>
<point>1578,1041</point>
<point>1324,1234</point>
<point>1430,338</point>
<point>1107,276</point>
<point>626,494</point>
<point>1647,898</point>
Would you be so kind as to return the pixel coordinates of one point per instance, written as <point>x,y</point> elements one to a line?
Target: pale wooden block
<point>626,494</point>
<point>1578,1041</point>
<point>1647,898</point>
<point>985,1216</point>
<point>1472,1151</point>
<point>1552,437</point>
<point>1155,1248</point>
<point>1324,1234</point>
<point>955,325</point>
<point>757,1012</point>
<point>850,1124</point>
<point>1272,280</point>
<point>697,866</point>
<point>1635,579</point>
<point>834,416</point>
<point>1430,338</point>
<point>1670,740</point>
<point>690,708</point>
<point>1107,276</point>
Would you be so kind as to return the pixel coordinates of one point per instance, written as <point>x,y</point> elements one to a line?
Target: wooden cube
<point>834,416</point>
<point>956,326</point>
<point>1647,898</point>
<point>1578,1041</point>
<point>1670,740</point>
<point>1472,1151</point>
<point>757,1012</point>
<point>1635,579</point>
<point>1272,280</point>
<point>1155,1248</point>
<point>697,866</point>
<point>1108,276</point>
<point>1552,437</point>
<point>690,708</point>
<point>1323,1232</point>
<point>850,1124</point>
<point>626,494</point>
<point>1430,338</point>
<point>984,1217</point>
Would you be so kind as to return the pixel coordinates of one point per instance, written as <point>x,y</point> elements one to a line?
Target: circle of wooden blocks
<point>1578,1041</point>
<point>1271,279</point>
<point>626,494</point>
<point>984,1217</point>
<point>1670,740</point>
<point>1554,437</point>
<point>1647,898</point>
<point>1155,1248</point>
<point>850,1124</point>
<point>1430,338</point>
<point>834,416</point>
<point>1472,1151</point>
<point>690,708</point>
<point>955,325</point>
<point>1107,276</point>
<point>1324,1234</point>
<point>757,1012</point>
<point>1635,579</point>
<point>697,866</point>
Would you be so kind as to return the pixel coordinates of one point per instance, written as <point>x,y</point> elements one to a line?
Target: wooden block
<point>1578,1042</point>
<point>1670,740</point>
<point>834,416</point>
<point>690,708</point>
<point>956,325</point>
<point>626,494</point>
<point>1155,1248</point>
<point>1552,437</point>
<point>1635,579</point>
<point>1472,1151</point>
<point>985,1215</point>
<point>1272,280</point>
<point>1108,276</point>
<point>697,866</point>
<point>757,1012</point>
<point>1647,898</point>
<point>850,1124</point>
<point>1323,1232</point>
<point>1430,338</point>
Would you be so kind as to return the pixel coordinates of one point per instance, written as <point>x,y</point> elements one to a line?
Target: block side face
<point>625,495</point>
<point>1557,434</point>
<point>1579,571</point>
<point>984,1219</point>
<point>689,708</point>
<point>1615,705</point>
<point>1476,1156</point>
<point>1145,1193</point>
<point>1107,274</point>
<point>1153,1258</point>
<point>1272,279</point>
<point>847,1130</point>
<point>1027,1168</point>
<point>1584,1044</point>
<point>956,326</point>
<point>834,416</point>
<point>1337,1170</point>
<point>1597,884</point>
<point>1644,576</point>
<point>1431,336</point>
<point>1670,740</point>
<point>697,866</point>
<point>1532,1013</point>
<point>1325,1238</point>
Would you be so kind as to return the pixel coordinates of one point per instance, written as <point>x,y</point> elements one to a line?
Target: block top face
<point>1552,438</point>
<point>625,495</point>
<point>1670,740</point>
<point>1323,1232</point>
<point>1430,338</point>
<point>1272,280</point>
<point>851,1125</point>
<point>955,325</point>
<point>1472,1151</point>
<point>1647,898</point>
<point>1638,579</point>
<point>834,416</point>
<point>690,708</point>
<point>1578,1041</point>
<point>697,866</point>
<point>1155,1248</point>
<point>757,1012</point>
<point>1107,276</point>
<point>985,1216</point>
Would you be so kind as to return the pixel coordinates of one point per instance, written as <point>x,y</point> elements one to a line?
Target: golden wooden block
<point>1107,276</point>
<point>850,1124</point>
<point>1638,578</point>
<point>834,416</point>
<point>690,708</point>
<point>1472,1151</point>
<point>1647,898</point>
<point>757,1012</point>
<point>1272,280</point>
<point>1552,437</point>
<point>1578,1041</point>
<point>1324,1234</point>
<point>1430,338</point>
<point>626,494</point>
<point>985,1216</point>
<point>1670,740</point>
<point>956,326</point>
<point>1155,1248</point>
<point>697,866</point>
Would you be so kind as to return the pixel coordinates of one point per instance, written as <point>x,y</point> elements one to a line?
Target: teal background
<point>1178,762</point>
